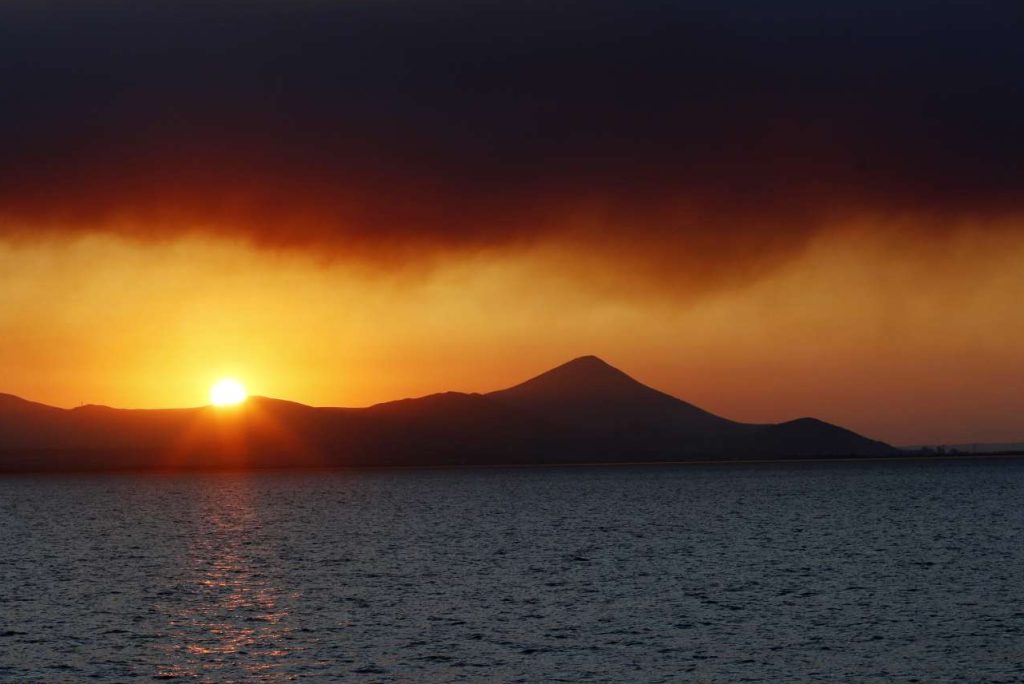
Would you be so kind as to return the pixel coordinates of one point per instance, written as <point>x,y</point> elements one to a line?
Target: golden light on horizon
<point>227,392</point>
<point>813,337</point>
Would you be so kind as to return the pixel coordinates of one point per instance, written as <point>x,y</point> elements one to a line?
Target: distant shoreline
<point>507,466</point>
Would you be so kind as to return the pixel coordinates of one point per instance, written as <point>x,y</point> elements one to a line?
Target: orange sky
<point>905,340</point>
<point>769,209</point>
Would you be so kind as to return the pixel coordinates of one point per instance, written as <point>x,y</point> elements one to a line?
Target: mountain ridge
<point>583,411</point>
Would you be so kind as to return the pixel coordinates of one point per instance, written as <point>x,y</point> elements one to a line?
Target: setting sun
<point>227,392</point>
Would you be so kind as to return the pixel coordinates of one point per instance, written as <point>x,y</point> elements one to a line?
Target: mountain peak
<point>588,361</point>
<point>585,374</point>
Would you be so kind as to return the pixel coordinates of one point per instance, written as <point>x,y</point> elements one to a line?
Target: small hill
<point>810,437</point>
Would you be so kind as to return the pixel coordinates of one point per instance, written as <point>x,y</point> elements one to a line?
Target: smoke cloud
<point>696,137</point>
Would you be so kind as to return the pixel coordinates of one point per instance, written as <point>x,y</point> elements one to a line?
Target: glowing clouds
<point>697,144</point>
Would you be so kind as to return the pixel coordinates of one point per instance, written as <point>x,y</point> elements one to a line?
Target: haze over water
<point>838,572</point>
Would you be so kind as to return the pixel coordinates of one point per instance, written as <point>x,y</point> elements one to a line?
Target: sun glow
<point>227,392</point>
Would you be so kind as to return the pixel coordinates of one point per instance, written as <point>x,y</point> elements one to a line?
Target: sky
<point>768,209</point>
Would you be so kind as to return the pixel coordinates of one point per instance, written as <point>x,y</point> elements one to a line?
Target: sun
<point>227,392</point>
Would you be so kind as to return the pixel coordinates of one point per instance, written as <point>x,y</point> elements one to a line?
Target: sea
<point>907,571</point>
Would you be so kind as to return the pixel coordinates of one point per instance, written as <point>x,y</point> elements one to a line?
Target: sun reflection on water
<point>228,618</point>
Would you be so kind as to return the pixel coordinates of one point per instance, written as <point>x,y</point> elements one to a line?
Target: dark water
<point>904,572</point>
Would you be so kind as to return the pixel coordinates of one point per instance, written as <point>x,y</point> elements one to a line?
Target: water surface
<point>837,572</point>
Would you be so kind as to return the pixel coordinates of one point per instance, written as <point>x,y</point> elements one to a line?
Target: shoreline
<point>811,460</point>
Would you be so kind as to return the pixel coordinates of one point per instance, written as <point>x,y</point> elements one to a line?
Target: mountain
<point>600,413</point>
<point>580,412</point>
<point>588,393</point>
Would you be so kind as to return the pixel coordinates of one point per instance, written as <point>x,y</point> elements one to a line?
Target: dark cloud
<point>706,128</point>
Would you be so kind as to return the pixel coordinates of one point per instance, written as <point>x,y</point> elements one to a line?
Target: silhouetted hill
<point>582,411</point>
<point>25,423</point>
<point>810,437</point>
